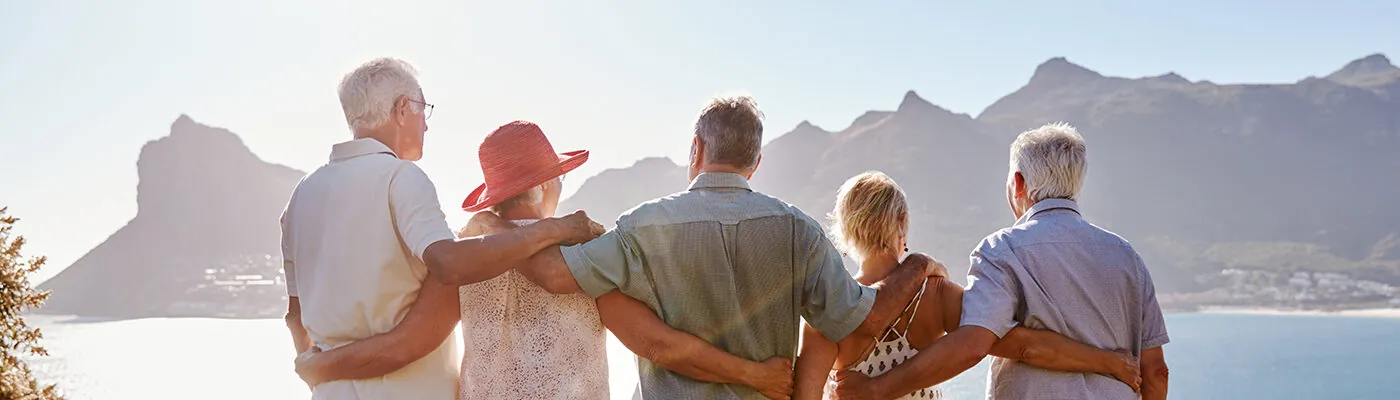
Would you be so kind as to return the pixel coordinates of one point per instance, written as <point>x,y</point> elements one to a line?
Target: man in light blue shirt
<point>1050,270</point>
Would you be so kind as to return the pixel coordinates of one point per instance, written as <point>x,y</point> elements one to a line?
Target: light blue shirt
<point>1054,270</point>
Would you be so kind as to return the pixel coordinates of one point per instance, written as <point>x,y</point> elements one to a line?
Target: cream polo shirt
<point>353,237</point>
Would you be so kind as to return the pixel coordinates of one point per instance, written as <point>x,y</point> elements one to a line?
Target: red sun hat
<point>515,158</point>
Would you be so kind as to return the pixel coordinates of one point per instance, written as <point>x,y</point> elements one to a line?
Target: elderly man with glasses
<point>363,237</point>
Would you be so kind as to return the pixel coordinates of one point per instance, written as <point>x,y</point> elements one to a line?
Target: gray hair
<point>1052,160</point>
<point>732,129</point>
<point>368,94</point>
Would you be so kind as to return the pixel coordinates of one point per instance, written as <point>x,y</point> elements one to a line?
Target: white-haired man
<point>1050,270</point>
<point>362,235</point>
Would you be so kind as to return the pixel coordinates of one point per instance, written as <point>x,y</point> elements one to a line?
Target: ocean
<point>1212,356</point>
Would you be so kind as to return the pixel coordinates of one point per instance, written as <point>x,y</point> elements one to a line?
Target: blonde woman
<point>871,223</point>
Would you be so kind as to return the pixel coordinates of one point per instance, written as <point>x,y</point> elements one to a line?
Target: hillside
<point>205,240</point>
<point>1198,175</point>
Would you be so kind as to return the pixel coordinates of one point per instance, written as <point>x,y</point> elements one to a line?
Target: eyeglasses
<point>427,108</point>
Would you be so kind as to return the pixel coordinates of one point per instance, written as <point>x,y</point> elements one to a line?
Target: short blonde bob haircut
<point>870,217</point>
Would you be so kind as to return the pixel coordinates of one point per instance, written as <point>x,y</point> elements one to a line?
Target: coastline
<point>1356,313</point>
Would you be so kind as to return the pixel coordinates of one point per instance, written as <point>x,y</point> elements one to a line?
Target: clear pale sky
<point>84,84</point>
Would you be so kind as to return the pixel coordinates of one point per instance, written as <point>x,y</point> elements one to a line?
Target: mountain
<point>614,191</point>
<point>1200,176</point>
<point>205,240</point>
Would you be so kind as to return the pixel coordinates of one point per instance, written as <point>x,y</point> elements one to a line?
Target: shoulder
<point>407,170</point>
<point>944,290</point>
<point>997,241</point>
<point>408,178</point>
<point>940,301</point>
<point>649,212</point>
<point>800,217</point>
<point>1108,237</point>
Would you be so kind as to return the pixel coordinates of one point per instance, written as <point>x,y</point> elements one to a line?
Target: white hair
<point>533,196</point>
<point>368,94</point>
<point>1051,159</point>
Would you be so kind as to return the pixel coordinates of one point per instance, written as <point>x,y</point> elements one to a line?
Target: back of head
<point>368,94</point>
<point>871,215</point>
<point>732,129</point>
<point>1052,161</point>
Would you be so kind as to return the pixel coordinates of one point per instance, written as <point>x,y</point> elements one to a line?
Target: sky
<point>84,84</point>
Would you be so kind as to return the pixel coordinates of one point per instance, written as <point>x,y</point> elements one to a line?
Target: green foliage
<point>16,337</point>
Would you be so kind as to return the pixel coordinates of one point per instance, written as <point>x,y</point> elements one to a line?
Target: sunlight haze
<point>83,85</point>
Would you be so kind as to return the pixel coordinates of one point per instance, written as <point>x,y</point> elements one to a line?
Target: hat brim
<point>484,197</point>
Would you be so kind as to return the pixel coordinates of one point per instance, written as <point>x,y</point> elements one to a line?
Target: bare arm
<point>814,363</point>
<point>545,268</point>
<point>1154,374</point>
<point>548,270</point>
<point>428,322</point>
<point>478,258</point>
<point>638,328</point>
<point>1049,350</point>
<point>897,290</point>
<point>300,340</point>
<point>946,358</point>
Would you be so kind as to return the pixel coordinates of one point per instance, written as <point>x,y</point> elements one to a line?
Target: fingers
<point>843,375</point>
<point>598,229</point>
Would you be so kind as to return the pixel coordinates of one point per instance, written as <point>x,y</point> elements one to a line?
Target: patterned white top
<point>893,348</point>
<point>522,342</point>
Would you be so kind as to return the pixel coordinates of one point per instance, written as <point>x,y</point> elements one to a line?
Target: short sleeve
<point>990,300</point>
<point>834,303</point>
<point>611,261</point>
<point>288,272</point>
<point>1154,325</point>
<point>417,214</point>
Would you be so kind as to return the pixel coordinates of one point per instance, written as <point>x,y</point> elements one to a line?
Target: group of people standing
<point>721,291</point>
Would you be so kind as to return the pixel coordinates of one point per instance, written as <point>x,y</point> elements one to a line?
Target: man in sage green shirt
<point>727,264</point>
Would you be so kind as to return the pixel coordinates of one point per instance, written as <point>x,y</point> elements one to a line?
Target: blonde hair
<point>871,214</point>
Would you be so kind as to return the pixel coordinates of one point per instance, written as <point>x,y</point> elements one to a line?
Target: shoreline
<point>1358,313</point>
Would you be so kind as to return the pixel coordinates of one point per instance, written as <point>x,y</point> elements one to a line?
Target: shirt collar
<point>359,147</point>
<point>1047,205</point>
<point>711,180</point>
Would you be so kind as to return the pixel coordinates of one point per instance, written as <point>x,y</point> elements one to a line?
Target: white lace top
<point>522,342</point>
<point>893,348</point>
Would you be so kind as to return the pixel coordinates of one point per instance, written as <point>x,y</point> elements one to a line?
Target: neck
<point>723,168</point>
<point>876,267</point>
<point>383,134</point>
<point>520,212</point>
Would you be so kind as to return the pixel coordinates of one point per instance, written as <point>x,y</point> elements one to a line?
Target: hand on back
<point>1128,371</point>
<point>306,367</point>
<point>774,381</point>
